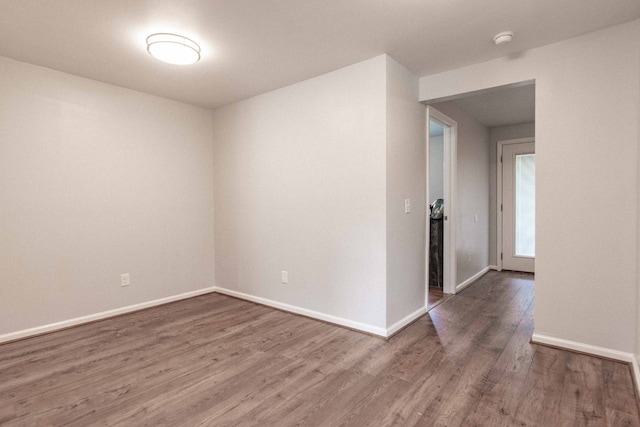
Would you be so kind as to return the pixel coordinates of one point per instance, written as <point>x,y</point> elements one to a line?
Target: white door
<point>518,207</point>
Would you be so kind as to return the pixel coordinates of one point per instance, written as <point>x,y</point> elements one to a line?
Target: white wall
<point>436,168</point>
<point>300,185</point>
<point>406,169</point>
<point>636,367</point>
<point>500,133</point>
<point>96,181</point>
<point>472,238</point>
<point>587,112</point>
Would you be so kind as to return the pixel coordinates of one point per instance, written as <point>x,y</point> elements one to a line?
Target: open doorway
<point>440,218</point>
<point>482,119</point>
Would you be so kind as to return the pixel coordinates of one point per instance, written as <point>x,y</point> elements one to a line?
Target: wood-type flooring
<point>435,297</point>
<point>219,361</point>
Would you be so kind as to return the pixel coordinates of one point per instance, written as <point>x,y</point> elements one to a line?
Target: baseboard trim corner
<point>583,348</point>
<point>363,327</point>
<point>472,279</point>
<point>493,267</point>
<point>406,321</point>
<point>635,375</point>
<point>52,327</point>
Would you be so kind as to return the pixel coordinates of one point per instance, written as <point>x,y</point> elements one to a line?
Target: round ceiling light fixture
<point>173,48</point>
<point>504,37</point>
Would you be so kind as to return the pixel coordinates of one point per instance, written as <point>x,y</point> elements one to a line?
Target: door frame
<point>450,151</point>
<point>501,144</point>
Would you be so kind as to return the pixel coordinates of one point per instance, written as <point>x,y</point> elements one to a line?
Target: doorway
<point>441,196</point>
<point>516,213</point>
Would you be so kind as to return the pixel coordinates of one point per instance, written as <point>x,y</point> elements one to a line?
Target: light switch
<point>407,206</point>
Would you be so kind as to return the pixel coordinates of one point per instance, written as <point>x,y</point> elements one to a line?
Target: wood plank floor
<point>218,361</point>
<point>436,296</point>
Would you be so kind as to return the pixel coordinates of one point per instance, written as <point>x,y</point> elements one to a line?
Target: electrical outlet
<point>407,206</point>
<point>284,277</point>
<point>124,279</point>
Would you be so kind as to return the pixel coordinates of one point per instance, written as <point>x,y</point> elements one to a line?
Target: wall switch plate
<point>407,206</point>
<point>284,277</point>
<point>124,279</point>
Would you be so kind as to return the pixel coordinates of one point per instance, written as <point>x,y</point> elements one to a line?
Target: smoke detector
<point>504,37</point>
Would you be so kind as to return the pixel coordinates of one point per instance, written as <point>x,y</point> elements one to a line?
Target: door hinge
<point>500,207</point>
<point>501,256</point>
<point>500,158</point>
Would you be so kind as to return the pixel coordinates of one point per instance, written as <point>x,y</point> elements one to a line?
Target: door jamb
<point>501,144</point>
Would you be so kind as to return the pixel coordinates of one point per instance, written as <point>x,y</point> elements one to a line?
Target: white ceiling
<point>253,46</point>
<point>501,106</point>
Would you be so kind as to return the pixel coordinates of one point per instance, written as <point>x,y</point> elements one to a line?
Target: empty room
<point>319,212</point>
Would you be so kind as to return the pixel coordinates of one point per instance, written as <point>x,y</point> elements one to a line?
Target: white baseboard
<point>305,312</point>
<point>583,348</point>
<point>471,279</point>
<point>99,316</point>
<point>595,351</point>
<point>635,371</point>
<point>405,321</point>
<point>493,267</point>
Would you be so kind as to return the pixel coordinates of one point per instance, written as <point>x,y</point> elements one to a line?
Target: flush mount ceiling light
<point>173,48</point>
<point>504,37</point>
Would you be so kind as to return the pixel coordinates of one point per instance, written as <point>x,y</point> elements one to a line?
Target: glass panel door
<point>518,206</point>
<point>525,205</point>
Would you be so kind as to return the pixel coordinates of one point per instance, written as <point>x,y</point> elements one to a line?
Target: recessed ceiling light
<point>503,38</point>
<point>173,48</point>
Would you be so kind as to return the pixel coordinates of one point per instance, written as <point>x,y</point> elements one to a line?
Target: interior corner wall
<point>300,187</point>
<point>583,251</point>
<point>472,237</point>
<point>496,134</point>
<point>96,181</point>
<point>406,169</point>
<point>637,344</point>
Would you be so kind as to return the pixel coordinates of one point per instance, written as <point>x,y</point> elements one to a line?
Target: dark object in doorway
<point>436,243</point>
